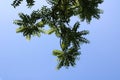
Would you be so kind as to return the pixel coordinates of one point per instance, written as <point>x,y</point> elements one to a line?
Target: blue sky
<point>33,60</point>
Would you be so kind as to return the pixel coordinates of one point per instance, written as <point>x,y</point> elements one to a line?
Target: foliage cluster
<point>58,19</point>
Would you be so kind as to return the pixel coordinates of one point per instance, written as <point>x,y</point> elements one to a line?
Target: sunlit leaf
<point>20,29</point>
<point>28,37</point>
<point>50,31</point>
<point>40,24</point>
<point>57,52</point>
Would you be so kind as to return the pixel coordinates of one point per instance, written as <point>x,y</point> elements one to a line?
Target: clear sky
<point>33,60</point>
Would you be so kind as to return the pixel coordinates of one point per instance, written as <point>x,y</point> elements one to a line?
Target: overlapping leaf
<point>18,2</point>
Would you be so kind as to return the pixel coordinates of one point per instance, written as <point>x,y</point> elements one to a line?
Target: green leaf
<point>50,31</point>
<point>28,37</point>
<point>76,26</point>
<point>18,22</point>
<point>40,24</point>
<point>20,29</point>
<point>57,52</point>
